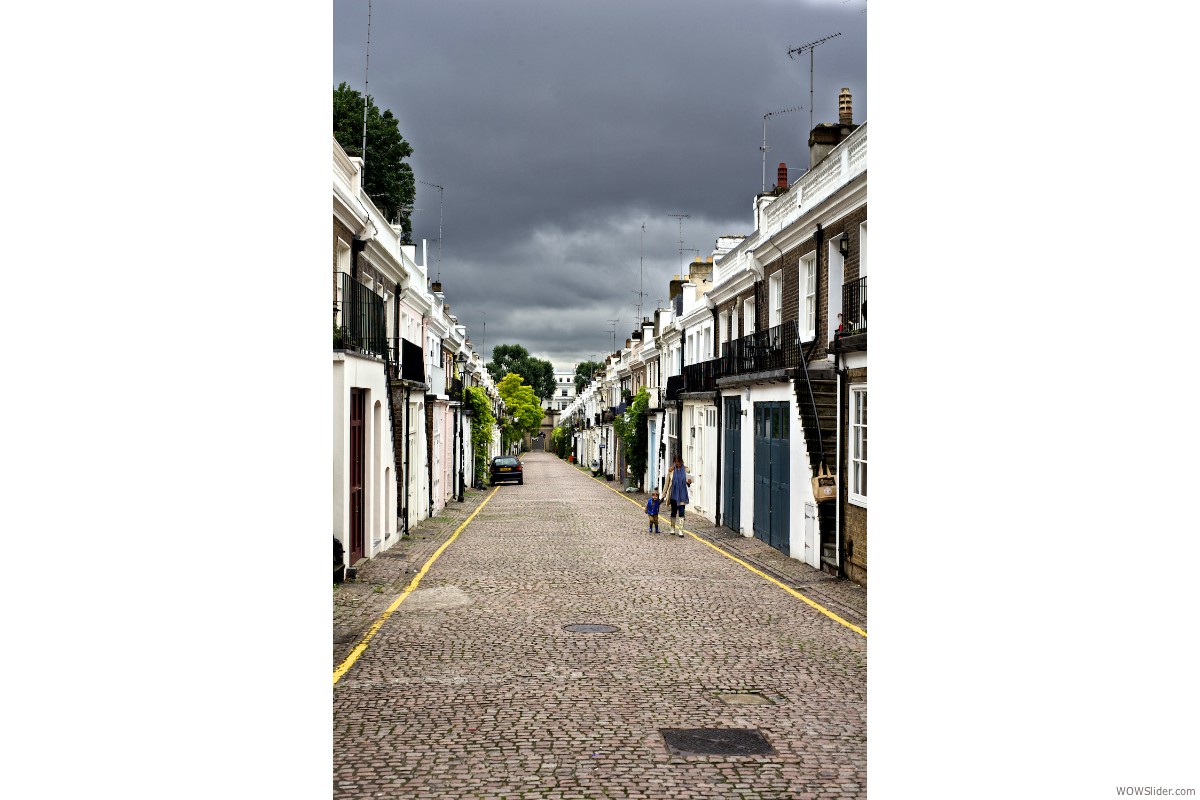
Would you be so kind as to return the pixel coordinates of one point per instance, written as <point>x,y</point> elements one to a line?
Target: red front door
<point>358,407</point>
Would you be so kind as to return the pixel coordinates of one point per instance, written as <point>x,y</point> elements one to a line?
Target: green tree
<point>560,441</point>
<point>584,372</point>
<point>523,407</point>
<point>513,358</point>
<point>503,358</point>
<point>633,430</point>
<point>476,399</point>
<point>388,179</point>
<point>539,374</point>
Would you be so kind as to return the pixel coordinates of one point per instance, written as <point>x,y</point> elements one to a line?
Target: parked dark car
<point>507,468</point>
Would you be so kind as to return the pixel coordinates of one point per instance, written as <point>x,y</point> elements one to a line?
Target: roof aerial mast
<point>810,47</point>
<point>764,147</point>
<point>441,191</point>
<point>641,273</point>
<point>366,87</point>
<point>681,217</point>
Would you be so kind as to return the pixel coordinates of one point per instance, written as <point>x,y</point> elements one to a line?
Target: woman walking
<point>677,493</point>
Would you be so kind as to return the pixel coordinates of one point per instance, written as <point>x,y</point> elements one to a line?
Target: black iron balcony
<point>854,307</point>
<point>772,349</point>
<point>702,377</point>
<point>675,385</point>
<point>358,318</point>
<point>406,360</point>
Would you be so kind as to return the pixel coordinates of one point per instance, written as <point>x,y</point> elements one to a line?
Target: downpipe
<point>407,458</point>
<point>839,509</point>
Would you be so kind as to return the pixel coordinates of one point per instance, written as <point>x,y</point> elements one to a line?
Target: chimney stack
<point>700,270</point>
<point>845,110</point>
<point>826,136</point>
<point>781,176</point>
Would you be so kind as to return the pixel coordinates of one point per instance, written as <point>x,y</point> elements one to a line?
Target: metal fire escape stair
<point>816,397</point>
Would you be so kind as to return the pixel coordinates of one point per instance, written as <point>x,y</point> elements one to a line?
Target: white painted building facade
<point>383,310</point>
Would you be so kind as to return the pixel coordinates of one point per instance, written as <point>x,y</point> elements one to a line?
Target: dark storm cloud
<point>558,129</point>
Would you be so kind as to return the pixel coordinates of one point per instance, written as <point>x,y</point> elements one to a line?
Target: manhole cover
<point>588,627</point>
<point>716,742</point>
<point>744,699</point>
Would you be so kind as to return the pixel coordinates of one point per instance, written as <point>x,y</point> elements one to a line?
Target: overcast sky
<point>558,129</point>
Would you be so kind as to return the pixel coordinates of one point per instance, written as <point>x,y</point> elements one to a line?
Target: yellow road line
<point>757,572</point>
<point>361,647</point>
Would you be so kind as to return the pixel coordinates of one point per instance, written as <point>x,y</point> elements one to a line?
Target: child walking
<point>652,511</point>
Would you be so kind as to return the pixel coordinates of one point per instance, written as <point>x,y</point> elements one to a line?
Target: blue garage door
<point>772,463</point>
<point>732,477</point>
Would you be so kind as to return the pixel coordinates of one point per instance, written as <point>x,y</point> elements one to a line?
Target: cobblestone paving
<point>359,602</point>
<point>474,689</point>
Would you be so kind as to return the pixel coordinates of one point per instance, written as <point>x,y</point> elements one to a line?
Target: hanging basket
<point>824,485</point>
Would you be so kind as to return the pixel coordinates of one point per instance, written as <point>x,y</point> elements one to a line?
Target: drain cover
<point>590,628</point>
<point>716,742</point>
<point>744,699</point>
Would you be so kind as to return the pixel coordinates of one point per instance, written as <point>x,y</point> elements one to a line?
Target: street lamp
<point>460,361</point>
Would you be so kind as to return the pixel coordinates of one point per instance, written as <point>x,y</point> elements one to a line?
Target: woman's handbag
<point>824,485</point>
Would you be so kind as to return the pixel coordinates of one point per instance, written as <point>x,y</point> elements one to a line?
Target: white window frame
<point>748,316</point>
<point>775,298</point>
<point>834,281</point>
<point>808,297</point>
<point>862,250</point>
<point>858,396</point>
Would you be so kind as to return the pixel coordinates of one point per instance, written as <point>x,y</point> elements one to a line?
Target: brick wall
<point>791,275</point>
<point>856,541</point>
<point>847,224</point>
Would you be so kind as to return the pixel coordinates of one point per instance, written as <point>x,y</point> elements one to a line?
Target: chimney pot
<point>845,109</point>
<point>781,176</point>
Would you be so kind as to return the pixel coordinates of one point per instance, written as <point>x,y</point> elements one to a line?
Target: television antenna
<point>810,47</point>
<point>641,272</point>
<point>366,86</point>
<point>483,342</point>
<point>681,218</point>
<point>614,332</point>
<point>764,147</point>
<point>440,190</point>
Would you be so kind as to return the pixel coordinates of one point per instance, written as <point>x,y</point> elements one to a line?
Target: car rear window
<point>507,461</point>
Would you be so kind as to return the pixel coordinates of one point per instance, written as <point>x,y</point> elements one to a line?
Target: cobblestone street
<point>474,687</point>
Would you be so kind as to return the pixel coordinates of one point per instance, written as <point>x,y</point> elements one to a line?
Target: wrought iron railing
<point>702,377</point>
<point>358,318</point>
<point>675,385</point>
<point>774,348</point>
<point>854,307</point>
<point>406,360</point>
